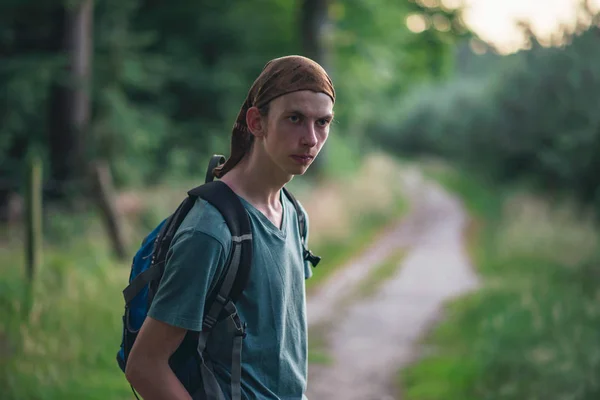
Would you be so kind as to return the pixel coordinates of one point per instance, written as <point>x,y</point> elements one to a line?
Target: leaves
<point>532,115</point>
<point>167,82</point>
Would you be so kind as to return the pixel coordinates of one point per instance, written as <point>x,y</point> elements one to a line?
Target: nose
<point>309,138</point>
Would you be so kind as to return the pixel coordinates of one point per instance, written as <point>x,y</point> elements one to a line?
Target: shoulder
<point>204,220</point>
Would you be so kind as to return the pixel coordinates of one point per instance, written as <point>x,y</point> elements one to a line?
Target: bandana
<point>279,77</point>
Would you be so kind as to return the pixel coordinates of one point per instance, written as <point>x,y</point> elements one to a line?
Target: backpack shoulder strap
<point>299,213</point>
<point>302,225</point>
<point>163,242</point>
<point>230,287</point>
<point>214,162</point>
<point>219,195</point>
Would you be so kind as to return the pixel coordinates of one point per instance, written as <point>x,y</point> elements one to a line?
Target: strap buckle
<point>241,331</point>
<point>222,300</point>
<point>313,259</point>
<point>209,323</point>
<point>240,327</point>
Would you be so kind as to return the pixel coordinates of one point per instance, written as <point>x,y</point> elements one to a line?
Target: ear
<point>255,122</point>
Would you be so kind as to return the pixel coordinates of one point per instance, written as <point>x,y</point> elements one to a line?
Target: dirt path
<point>368,341</point>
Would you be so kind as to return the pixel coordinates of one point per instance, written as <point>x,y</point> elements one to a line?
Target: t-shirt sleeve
<point>193,262</point>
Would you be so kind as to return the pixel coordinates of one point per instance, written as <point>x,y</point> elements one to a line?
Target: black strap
<point>236,217</point>
<point>210,390</point>
<point>140,282</point>
<point>308,255</point>
<point>214,162</point>
<point>166,235</point>
<point>299,213</point>
<point>164,240</point>
<point>232,284</point>
<point>134,392</point>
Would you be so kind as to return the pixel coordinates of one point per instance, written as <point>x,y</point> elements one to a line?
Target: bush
<point>534,117</point>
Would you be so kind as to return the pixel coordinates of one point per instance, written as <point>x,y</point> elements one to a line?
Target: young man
<point>279,131</point>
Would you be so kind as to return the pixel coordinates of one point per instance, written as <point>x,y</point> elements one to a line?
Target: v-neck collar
<point>281,232</point>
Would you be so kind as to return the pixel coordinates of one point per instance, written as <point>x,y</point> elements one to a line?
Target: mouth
<point>302,158</point>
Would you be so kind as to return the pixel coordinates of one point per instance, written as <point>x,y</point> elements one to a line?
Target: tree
<point>70,102</point>
<point>314,26</point>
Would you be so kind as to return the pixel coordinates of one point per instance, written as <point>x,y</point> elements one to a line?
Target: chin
<point>297,170</point>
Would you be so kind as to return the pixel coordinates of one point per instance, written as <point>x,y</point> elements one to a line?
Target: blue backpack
<point>188,362</point>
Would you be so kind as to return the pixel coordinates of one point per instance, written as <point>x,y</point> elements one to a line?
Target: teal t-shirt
<point>274,354</point>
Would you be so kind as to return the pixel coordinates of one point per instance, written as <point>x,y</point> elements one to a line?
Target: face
<point>294,131</point>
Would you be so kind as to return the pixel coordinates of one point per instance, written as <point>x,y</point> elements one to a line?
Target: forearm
<point>156,381</point>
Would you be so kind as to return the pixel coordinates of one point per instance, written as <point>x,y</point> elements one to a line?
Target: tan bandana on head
<point>279,76</point>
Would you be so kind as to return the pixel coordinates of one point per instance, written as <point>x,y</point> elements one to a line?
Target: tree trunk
<point>313,31</point>
<point>10,185</point>
<point>105,196</point>
<point>34,236</point>
<point>313,25</point>
<point>69,105</point>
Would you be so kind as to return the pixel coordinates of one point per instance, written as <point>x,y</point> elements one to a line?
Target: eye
<point>323,122</point>
<point>294,119</point>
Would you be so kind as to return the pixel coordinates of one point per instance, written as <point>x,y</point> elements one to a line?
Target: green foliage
<point>28,68</point>
<point>528,333</point>
<point>65,346</point>
<point>378,59</point>
<point>168,81</point>
<point>531,118</point>
<point>174,83</point>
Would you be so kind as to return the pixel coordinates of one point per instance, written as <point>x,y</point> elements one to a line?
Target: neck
<point>258,181</point>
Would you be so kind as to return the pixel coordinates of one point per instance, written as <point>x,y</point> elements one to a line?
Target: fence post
<point>33,204</point>
<point>105,197</point>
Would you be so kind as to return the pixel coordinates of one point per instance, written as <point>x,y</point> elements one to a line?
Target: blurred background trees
<point>529,117</point>
<point>152,89</point>
<point>166,81</point>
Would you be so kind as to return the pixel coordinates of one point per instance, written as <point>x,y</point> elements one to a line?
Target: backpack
<point>188,362</point>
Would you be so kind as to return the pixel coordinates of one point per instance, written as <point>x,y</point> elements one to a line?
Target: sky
<point>494,20</point>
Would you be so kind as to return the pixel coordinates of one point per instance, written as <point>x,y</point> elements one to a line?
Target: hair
<point>243,150</point>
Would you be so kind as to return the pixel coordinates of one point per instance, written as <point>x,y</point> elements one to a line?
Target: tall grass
<point>531,331</point>
<point>64,346</point>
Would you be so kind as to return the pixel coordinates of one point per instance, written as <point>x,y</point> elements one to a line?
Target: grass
<point>382,273</point>
<point>65,347</point>
<point>317,345</point>
<point>531,331</point>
